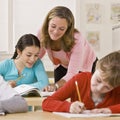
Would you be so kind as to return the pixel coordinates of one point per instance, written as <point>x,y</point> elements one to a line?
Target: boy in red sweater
<point>100,92</point>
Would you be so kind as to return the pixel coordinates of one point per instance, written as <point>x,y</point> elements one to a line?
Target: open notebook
<point>27,90</point>
<point>86,114</point>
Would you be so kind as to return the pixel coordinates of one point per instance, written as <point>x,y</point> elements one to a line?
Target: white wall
<point>29,14</point>
<point>3,25</point>
<point>18,17</point>
<point>116,37</point>
<point>104,27</point>
<point>25,16</point>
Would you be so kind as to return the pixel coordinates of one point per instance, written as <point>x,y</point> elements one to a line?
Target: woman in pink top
<point>66,47</point>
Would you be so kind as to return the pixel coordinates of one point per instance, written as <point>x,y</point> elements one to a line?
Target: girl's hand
<point>12,83</point>
<point>50,88</point>
<point>102,110</point>
<point>77,107</point>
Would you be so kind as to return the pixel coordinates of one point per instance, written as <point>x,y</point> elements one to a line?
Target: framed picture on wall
<point>115,13</point>
<point>93,13</point>
<point>93,38</point>
<point>95,18</point>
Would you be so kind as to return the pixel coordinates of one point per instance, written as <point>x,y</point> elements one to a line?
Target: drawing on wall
<point>93,38</point>
<point>94,13</point>
<point>115,12</point>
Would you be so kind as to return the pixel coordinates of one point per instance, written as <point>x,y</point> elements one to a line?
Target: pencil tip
<point>76,82</point>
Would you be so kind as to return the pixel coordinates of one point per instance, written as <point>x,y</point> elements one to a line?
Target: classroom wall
<point>98,18</point>
<point>18,17</point>
<point>116,37</point>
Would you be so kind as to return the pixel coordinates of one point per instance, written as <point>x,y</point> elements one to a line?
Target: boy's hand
<point>101,110</point>
<point>77,107</point>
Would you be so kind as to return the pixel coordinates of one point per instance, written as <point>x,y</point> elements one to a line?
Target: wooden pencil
<point>78,92</point>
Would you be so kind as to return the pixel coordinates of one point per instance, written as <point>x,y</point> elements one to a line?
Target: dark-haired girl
<point>25,67</point>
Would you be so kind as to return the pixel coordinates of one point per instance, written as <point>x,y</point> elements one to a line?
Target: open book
<point>27,90</point>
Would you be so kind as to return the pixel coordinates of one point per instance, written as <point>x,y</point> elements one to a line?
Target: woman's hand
<point>50,88</point>
<point>55,86</point>
<point>12,83</point>
<point>77,107</point>
<point>101,110</point>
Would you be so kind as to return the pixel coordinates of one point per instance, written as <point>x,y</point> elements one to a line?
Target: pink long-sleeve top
<point>80,58</point>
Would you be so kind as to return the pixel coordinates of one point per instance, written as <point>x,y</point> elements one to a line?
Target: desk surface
<point>34,101</point>
<point>39,115</point>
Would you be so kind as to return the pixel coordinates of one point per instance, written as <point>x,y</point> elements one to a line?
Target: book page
<point>69,115</point>
<point>26,89</point>
<point>22,89</point>
<point>45,93</point>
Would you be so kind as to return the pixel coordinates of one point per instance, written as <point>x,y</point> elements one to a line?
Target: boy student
<point>10,101</point>
<point>100,92</point>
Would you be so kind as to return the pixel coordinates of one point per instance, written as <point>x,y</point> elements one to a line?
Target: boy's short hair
<point>110,68</point>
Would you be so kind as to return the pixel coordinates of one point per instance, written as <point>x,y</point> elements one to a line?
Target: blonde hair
<point>68,37</point>
<point>110,68</point>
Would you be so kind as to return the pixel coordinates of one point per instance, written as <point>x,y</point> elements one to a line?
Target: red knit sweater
<point>57,102</point>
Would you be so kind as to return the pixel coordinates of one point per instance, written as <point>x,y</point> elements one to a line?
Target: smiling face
<point>98,86</point>
<point>57,28</point>
<point>29,56</point>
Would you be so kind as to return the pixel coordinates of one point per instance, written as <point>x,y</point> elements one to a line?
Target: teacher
<point>67,49</point>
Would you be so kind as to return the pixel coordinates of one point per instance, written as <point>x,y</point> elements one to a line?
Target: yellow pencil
<point>78,92</point>
<point>21,76</point>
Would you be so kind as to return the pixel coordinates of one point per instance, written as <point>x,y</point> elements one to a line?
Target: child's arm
<point>14,105</point>
<point>115,108</point>
<point>41,75</point>
<point>101,110</point>
<point>109,109</point>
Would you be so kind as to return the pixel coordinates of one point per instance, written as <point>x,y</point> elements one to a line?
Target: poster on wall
<point>93,13</point>
<point>93,38</point>
<point>115,13</point>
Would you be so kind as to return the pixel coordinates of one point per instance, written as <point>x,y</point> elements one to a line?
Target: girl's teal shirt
<point>35,76</point>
